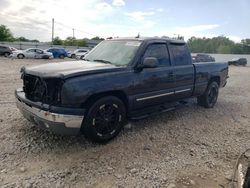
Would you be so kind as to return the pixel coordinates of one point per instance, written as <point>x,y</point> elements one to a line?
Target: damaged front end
<point>40,102</point>
<point>44,90</point>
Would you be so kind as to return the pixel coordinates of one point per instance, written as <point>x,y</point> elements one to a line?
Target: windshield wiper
<point>102,61</point>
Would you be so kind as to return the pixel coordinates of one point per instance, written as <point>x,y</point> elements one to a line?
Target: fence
<point>41,45</point>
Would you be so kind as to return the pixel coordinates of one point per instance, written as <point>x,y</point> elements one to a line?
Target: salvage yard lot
<point>188,147</point>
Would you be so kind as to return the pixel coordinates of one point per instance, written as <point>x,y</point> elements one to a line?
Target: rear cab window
<point>180,54</point>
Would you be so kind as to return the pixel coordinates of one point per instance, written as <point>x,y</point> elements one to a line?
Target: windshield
<point>114,52</point>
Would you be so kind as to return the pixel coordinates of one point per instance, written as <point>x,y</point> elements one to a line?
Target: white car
<point>77,52</point>
<point>81,55</point>
<point>32,53</point>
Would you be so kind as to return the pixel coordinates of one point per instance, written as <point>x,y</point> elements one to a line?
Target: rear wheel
<point>6,54</point>
<point>73,56</point>
<point>20,56</point>
<point>104,119</point>
<point>61,56</point>
<point>209,98</point>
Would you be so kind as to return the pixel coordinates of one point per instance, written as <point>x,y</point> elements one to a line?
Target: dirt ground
<point>188,147</point>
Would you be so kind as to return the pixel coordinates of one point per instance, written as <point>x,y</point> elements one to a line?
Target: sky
<point>125,18</point>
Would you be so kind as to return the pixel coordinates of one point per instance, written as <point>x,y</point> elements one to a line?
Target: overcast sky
<point>105,18</point>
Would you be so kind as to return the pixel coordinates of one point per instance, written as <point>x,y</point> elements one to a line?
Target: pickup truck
<point>120,79</point>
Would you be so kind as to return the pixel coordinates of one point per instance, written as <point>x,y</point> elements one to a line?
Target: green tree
<point>220,44</point>
<point>57,41</point>
<point>5,34</point>
<point>81,42</point>
<point>70,41</point>
<point>97,38</point>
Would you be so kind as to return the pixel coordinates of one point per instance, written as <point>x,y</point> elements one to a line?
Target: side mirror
<point>149,62</point>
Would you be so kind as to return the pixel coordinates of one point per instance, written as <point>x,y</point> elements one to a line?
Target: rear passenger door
<point>154,85</point>
<point>184,70</point>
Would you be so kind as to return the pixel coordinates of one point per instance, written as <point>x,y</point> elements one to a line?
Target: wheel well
<point>216,79</point>
<point>119,94</point>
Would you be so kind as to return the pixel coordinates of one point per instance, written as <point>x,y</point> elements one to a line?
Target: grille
<point>41,90</point>
<point>34,88</point>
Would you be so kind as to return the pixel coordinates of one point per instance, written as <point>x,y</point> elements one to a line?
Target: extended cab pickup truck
<point>118,80</point>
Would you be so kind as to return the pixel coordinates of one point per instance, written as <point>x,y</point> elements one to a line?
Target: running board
<point>153,110</point>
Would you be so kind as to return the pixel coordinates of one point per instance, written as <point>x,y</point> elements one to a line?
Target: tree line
<point>220,45</point>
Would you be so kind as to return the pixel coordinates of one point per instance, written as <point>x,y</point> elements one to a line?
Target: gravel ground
<point>188,147</point>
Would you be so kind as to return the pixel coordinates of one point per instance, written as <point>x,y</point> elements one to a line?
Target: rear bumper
<point>59,120</point>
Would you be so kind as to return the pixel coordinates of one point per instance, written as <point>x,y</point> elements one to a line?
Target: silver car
<point>35,53</point>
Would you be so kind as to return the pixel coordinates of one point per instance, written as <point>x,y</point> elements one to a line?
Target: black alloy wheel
<point>104,119</point>
<point>209,98</point>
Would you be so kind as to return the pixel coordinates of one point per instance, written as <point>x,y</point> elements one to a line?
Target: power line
<point>74,29</point>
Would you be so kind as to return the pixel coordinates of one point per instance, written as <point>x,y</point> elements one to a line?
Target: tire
<point>61,56</point>
<point>104,120</point>
<point>73,56</point>
<point>209,98</point>
<point>45,57</point>
<point>20,56</point>
<point>6,54</point>
<point>82,57</point>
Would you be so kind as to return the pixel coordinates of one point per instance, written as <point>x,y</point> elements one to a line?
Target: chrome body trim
<point>70,121</point>
<point>183,90</point>
<point>155,96</point>
<point>164,94</point>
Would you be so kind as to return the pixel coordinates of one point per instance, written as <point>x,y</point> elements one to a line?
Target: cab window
<point>160,52</point>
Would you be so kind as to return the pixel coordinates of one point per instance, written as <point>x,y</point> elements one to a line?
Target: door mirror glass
<point>150,62</point>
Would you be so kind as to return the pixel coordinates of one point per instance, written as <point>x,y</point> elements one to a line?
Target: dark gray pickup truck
<point>118,80</point>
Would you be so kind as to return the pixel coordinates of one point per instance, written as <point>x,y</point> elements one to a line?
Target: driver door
<point>30,53</point>
<point>154,86</point>
<point>39,54</point>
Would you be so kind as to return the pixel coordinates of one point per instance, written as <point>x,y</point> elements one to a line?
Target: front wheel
<point>209,98</point>
<point>6,54</point>
<point>104,119</point>
<point>61,56</point>
<point>20,56</point>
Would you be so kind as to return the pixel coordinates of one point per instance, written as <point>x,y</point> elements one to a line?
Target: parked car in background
<point>238,61</point>
<point>13,49</point>
<point>81,55</point>
<point>58,52</point>
<point>203,58</point>
<point>5,51</point>
<point>77,52</point>
<point>31,53</point>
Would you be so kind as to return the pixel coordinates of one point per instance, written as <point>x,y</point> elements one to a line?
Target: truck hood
<point>69,69</point>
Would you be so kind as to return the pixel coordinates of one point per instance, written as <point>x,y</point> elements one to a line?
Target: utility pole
<point>73,33</point>
<point>53,22</point>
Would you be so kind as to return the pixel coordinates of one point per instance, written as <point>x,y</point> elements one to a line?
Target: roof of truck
<point>151,38</point>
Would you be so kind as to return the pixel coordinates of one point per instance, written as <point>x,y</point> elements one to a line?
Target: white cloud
<point>32,19</point>
<point>234,38</point>
<point>103,6</point>
<point>118,3</point>
<point>196,28</point>
<point>160,10</point>
<point>138,15</point>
